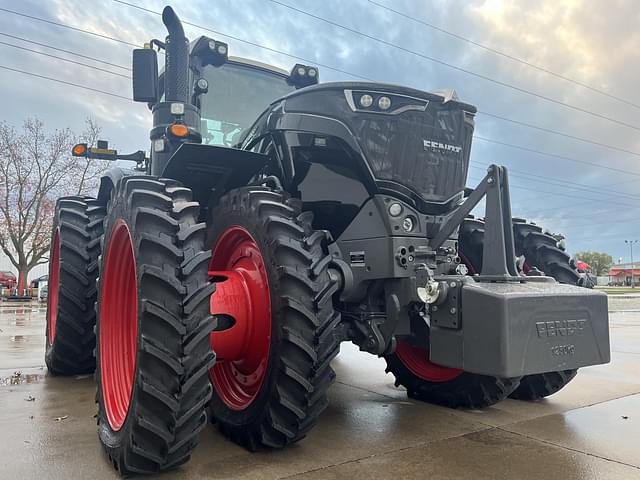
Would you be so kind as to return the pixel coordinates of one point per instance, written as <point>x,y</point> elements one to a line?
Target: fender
<point>110,179</point>
<point>210,168</point>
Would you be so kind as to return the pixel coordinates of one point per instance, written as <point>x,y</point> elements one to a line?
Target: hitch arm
<point>450,226</point>
<point>499,251</point>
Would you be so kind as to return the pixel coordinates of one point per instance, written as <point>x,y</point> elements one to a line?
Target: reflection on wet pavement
<point>17,378</point>
<point>371,429</point>
<point>21,335</point>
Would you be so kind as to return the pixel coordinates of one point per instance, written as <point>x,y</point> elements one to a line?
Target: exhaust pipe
<point>176,107</point>
<point>176,67</point>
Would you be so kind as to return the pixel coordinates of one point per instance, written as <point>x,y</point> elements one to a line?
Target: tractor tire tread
<point>468,391</point>
<point>169,382</point>
<point>308,327</point>
<point>537,387</point>
<point>80,222</point>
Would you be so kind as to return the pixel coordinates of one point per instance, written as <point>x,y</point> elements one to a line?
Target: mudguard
<point>110,179</point>
<point>208,167</point>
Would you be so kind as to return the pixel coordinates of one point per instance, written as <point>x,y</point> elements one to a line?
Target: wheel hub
<point>243,298</point>
<point>118,325</point>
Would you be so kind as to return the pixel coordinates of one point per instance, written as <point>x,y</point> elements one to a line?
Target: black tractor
<point>277,217</point>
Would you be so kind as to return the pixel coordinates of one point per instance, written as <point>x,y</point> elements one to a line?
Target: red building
<point>621,274</point>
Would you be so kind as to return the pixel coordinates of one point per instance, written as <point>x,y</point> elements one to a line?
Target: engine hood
<point>439,96</point>
<point>410,139</point>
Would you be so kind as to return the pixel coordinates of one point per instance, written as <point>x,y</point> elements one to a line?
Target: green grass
<point>618,290</point>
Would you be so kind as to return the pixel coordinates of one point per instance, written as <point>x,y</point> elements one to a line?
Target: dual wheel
<point>275,324</point>
<point>129,282</point>
<point>275,328</point>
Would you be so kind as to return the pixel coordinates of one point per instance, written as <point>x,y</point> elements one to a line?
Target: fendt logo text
<point>561,328</point>
<point>441,146</point>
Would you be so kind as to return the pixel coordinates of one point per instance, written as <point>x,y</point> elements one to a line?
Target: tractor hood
<point>410,139</point>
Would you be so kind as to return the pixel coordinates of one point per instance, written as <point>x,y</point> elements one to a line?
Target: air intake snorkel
<point>176,67</point>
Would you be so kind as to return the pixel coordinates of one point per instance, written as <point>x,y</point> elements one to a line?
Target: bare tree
<point>35,169</point>
<point>89,171</point>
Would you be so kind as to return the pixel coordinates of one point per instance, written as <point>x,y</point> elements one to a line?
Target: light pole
<point>630,243</point>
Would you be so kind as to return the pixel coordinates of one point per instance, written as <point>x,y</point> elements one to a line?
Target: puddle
<point>18,378</point>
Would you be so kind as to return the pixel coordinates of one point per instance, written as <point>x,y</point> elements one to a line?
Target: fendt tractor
<point>276,217</point>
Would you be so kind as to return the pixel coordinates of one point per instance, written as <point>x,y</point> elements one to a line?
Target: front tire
<point>73,268</point>
<point>153,351</point>
<point>449,387</point>
<point>273,368</point>
<point>537,387</point>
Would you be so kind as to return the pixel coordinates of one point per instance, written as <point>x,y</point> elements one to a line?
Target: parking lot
<point>590,430</point>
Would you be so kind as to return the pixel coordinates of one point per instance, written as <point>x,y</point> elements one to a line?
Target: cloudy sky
<point>596,44</point>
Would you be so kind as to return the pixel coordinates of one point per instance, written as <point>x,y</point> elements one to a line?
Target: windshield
<point>237,95</point>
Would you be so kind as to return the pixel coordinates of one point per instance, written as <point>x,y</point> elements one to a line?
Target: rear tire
<point>275,400</point>
<point>73,268</point>
<point>153,349</point>
<point>542,251</point>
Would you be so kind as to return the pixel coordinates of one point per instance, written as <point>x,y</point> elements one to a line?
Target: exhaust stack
<point>176,67</point>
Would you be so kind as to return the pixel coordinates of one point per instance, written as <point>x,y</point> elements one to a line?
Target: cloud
<point>595,43</point>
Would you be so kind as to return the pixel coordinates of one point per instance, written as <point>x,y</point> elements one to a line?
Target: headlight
<point>201,86</point>
<point>395,209</point>
<point>177,108</point>
<point>384,103</point>
<point>303,75</point>
<point>366,100</point>
<point>158,145</point>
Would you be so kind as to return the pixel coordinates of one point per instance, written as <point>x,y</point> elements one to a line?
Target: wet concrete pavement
<point>589,430</point>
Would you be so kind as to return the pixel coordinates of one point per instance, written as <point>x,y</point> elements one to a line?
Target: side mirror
<point>145,75</point>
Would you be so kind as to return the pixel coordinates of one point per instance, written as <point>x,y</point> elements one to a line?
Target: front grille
<point>426,151</point>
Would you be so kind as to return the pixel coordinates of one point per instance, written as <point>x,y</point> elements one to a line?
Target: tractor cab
<point>232,92</point>
<point>215,103</point>
<point>238,91</point>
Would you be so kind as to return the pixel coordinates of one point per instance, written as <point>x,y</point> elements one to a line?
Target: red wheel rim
<point>54,284</point>
<point>118,325</point>
<point>243,349</point>
<point>416,359</point>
